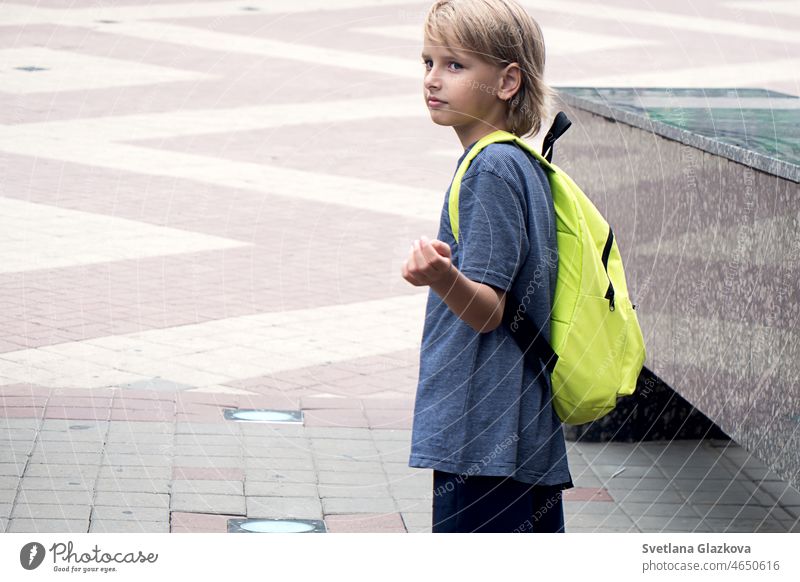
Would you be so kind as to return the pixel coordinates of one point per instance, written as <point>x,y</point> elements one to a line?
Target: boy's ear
<point>510,81</point>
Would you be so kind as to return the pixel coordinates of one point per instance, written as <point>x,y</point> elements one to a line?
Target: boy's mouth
<point>433,102</point>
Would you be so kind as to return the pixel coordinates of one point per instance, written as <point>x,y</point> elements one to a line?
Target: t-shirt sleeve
<point>492,233</point>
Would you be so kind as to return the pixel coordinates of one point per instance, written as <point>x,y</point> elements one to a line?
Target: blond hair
<point>499,32</point>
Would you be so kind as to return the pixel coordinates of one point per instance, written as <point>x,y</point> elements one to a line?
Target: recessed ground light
<point>276,526</point>
<point>264,415</point>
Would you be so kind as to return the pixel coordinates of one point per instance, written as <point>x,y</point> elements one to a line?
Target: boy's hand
<point>428,262</point>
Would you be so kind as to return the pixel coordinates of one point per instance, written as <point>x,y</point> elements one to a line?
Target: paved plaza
<point>204,207</point>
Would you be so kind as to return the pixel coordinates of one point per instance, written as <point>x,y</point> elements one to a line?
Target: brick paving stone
<point>365,523</point>
<point>279,463</point>
<point>207,503</point>
<point>208,473</point>
<point>351,478</point>
<point>277,489</point>
<point>207,486</point>
<point>346,466</point>
<point>131,499</point>
<point>136,460</point>
<point>133,485</point>
<point>253,452</point>
<point>75,484</point>
<point>354,491</point>
<point>56,471</point>
<point>209,450</point>
<point>41,496</point>
<point>25,525</point>
<point>9,482</point>
<point>54,447</point>
<point>671,524</point>
<point>265,456</point>
<point>50,511</point>
<point>123,526</point>
<point>284,507</point>
<point>329,432</point>
<point>666,496</point>
<point>280,475</point>
<point>130,513</point>
<point>587,494</point>
<point>333,505</point>
<point>638,509</point>
<point>572,508</point>
<point>599,522</point>
<point>741,511</point>
<point>133,472</point>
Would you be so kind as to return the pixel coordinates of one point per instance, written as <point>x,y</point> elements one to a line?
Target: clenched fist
<point>427,262</point>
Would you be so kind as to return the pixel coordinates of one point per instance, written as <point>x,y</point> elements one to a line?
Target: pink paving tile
<point>25,390</point>
<point>365,523</point>
<point>406,404</point>
<point>200,418</point>
<point>79,401</point>
<point>144,405</point>
<point>83,392</point>
<point>138,394</point>
<point>22,412</point>
<point>207,473</point>
<point>72,413</point>
<point>142,415</point>
<point>199,409</point>
<point>321,402</point>
<point>24,401</point>
<point>587,494</point>
<point>199,522</point>
<point>340,418</point>
<point>389,418</point>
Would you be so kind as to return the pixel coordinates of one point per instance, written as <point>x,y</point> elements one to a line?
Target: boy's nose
<point>431,81</point>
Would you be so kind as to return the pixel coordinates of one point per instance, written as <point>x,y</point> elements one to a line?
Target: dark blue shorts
<point>484,504</point>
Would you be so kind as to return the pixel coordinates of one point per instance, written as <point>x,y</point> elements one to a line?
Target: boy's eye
<point>428,64</point>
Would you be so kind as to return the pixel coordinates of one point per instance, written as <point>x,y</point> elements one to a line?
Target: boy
<point>483,418</point>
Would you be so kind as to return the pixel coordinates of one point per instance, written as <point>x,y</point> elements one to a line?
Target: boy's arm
<point>480,306</point>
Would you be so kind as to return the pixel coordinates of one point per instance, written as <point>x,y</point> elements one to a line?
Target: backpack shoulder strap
<point>560,125</point>
<point>494,137</point>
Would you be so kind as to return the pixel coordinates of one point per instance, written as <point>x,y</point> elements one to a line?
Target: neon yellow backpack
<point>596,349</point>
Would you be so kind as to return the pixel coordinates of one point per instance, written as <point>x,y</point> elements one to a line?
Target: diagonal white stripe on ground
<point>38,236</point>
<point>69,71</point>
<point>782,7</point>
<point>187,122</point>
<point>20,14</point>
<point>215,352</point>
<point>370,195</point>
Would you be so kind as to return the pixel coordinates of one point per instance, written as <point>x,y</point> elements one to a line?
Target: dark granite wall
<point>712,255</point>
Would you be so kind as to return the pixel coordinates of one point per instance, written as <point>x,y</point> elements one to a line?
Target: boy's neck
<point>468,135</point>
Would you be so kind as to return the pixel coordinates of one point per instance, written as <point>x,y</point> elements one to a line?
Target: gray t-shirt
<point>480,408</point>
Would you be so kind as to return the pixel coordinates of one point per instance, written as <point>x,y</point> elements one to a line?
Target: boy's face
<point>468,92</point>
